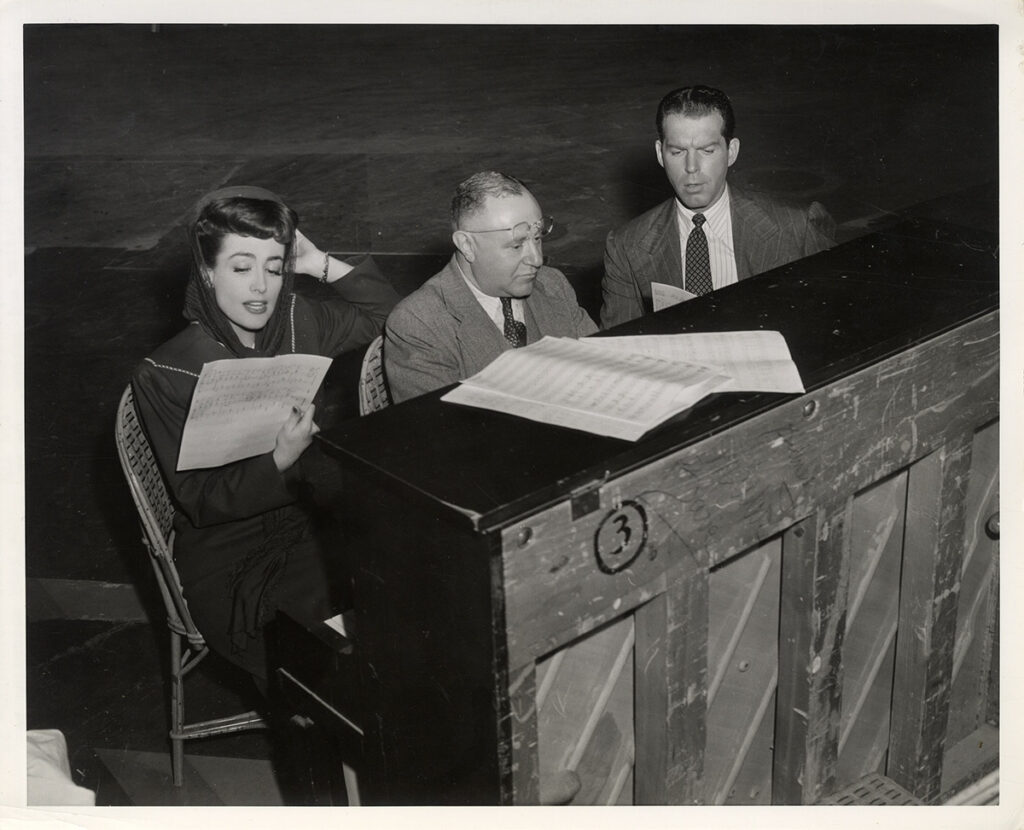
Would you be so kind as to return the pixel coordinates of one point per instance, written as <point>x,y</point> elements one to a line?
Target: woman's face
<point>246,278</point>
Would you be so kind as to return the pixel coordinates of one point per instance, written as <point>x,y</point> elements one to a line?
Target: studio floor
<point>366,130</point>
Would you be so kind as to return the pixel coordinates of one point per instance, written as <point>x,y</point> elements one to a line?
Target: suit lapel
<point>542,315</point>
<point>661,245</point>
<point>478,338</point>
<point>753,235</point>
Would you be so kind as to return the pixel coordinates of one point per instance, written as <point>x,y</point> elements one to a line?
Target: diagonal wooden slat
<point>749,734</point>
<point>743,623</point>
<point>722,663</point>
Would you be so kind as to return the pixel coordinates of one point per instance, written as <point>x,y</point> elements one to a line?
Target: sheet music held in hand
<point>666,296</point>
<point>561,381</point>
<point>239,406</point>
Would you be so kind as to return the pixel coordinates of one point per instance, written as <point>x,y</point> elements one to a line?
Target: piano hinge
<point>585,499</point>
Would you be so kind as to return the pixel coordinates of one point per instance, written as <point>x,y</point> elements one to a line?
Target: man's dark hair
<point>695,101</point>
<point>470,194</point>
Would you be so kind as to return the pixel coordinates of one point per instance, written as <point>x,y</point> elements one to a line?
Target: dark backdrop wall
<point>366,130</point>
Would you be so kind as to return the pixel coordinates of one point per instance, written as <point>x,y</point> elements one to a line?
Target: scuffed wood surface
<point>929,593</point>
<point>815,567</point>
<point>876,543</point>
<point>721,496</point>
<point>975,625</point>
<point>685,514</point>
<point>743,612</point>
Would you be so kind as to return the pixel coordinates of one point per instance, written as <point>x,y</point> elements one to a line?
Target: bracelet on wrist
<point>327,265</point>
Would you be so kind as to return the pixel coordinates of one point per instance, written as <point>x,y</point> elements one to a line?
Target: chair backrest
<point>156,513</point>
<point>373,385</point>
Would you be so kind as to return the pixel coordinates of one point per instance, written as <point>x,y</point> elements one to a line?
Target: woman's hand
<point>309,259</point>
<point>296,434</point>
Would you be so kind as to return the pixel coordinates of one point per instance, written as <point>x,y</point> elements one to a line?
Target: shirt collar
<point>492,305</point>
<point>715,215</point>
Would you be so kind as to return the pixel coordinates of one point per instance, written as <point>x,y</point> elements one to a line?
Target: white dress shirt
<point>718,229</point>
<point>492,305</point>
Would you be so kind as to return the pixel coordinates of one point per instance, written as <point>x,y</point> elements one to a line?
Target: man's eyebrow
<point>713,143</point>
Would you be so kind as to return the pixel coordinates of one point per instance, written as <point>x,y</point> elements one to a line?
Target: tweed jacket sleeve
<point>421,349</point>
<point>620,293</point>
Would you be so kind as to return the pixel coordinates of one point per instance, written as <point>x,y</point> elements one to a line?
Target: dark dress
<point>245,540</point>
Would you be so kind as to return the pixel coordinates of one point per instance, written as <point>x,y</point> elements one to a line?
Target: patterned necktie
<point>698,263</point>
<point>515,332</point>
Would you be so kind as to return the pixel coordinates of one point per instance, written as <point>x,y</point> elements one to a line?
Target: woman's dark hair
<point>245,216</point>
<point>247,211</point>
<point>696,101</point>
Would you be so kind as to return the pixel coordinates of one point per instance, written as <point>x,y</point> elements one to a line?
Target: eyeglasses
<point>525,230</point>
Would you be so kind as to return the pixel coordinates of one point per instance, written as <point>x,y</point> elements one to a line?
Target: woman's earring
<point>207,278</point>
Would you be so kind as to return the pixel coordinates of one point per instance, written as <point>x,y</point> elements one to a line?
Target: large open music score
<point>760,602</point>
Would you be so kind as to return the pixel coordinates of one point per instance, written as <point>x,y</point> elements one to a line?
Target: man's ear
<point>657,151</point>
<point>734,150</point>
<point>464,245</point>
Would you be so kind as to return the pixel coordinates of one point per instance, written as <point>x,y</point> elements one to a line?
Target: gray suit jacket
<point>766,234</point>
<point>440,334</point>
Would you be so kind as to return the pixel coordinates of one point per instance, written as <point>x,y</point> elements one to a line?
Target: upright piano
<point>762,601</point>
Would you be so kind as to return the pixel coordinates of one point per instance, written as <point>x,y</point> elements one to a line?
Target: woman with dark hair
<point>245,540</point>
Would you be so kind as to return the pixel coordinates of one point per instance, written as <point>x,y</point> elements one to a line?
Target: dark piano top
<point>839,311</point>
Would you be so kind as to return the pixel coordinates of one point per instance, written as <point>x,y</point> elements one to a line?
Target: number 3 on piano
<point>620,537</point>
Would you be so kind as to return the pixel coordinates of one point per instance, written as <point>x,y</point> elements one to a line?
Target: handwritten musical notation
<point>625,386</point>
<point>239,406</point>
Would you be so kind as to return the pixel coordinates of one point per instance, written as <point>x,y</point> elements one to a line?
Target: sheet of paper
<point>343,623</point>
<point>239,405</point>
<point>664,295</point>
<point>757,361</point>
<point>560,381</point>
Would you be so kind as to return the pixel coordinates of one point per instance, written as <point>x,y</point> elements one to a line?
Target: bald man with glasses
<point>494,294</point>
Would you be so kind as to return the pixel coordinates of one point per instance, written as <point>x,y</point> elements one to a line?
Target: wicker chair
<point>373,385</point>
<point>156,514</point>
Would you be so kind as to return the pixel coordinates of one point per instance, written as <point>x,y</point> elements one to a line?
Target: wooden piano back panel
<point>585,696</point>
<point>743,630</point>
<point>975,635</point>
<point>585,718</point>
<point>565,574</point>
<point>876,544</point>
<point>851,500</point>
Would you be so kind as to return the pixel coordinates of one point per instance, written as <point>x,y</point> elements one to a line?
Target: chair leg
<point>351,785</point>
<point>177,711</point>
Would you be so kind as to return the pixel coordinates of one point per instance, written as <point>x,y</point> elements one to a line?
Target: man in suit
<point>711,234</point>
<point>494,294</point>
